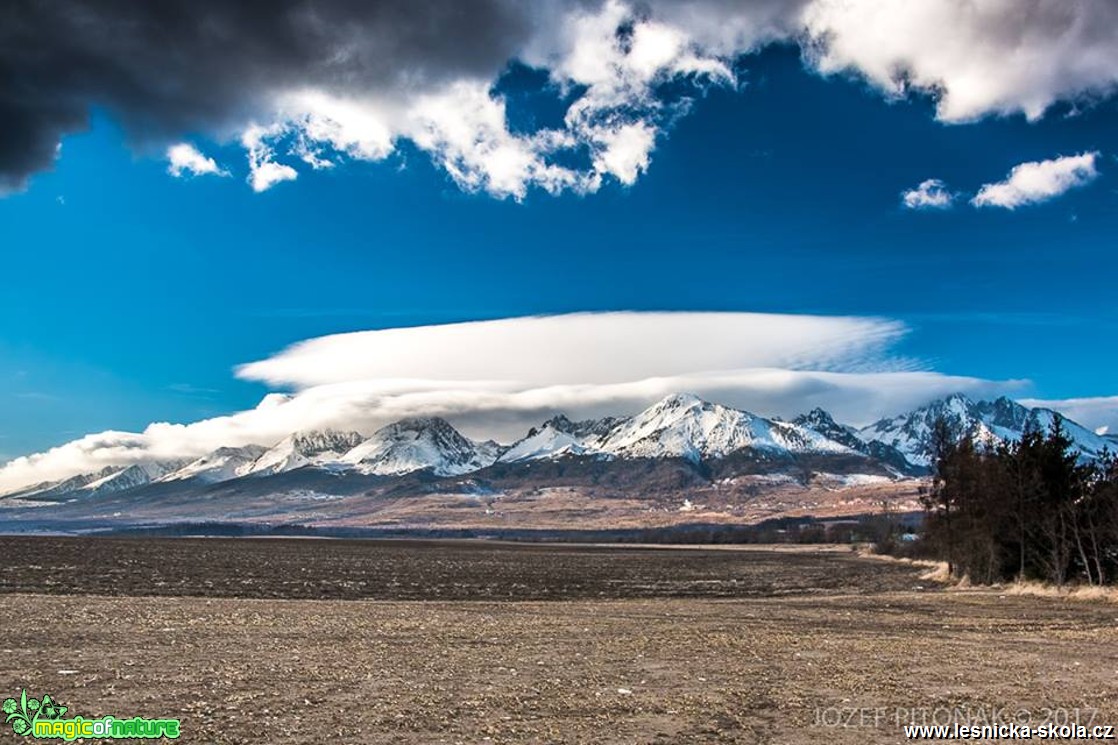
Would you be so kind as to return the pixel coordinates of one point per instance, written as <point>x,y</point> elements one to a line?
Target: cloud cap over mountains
<point>582,348</point>
<point>498,378</point>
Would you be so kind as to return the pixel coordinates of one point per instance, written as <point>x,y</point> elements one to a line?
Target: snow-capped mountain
<point>139,474</point>
<point>986,422</point>
<point>559,437</point>
<point>312,447</point>
<point>418,444</point>
<point>681,427</point>
<point>50,489</point>
<point>685,426</point>
<point>1086,441</point>
<point>820,421</point>
<point>220,465</point>
<point>105,481</point>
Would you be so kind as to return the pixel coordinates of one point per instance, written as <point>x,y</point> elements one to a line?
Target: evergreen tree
<point>1027,509</point>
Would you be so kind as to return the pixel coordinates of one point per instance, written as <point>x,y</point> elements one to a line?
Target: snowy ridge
<point>685,426</point>
<point>987,423</point>
<point>419,444</point>
<point>559,437</point>
<point>820,421</point>
<point>1083,439</point>
<point>313,447</point>
<point>112,479</point>
<point>681,426</point>
<point>48,489</point>
<point>220,465</point>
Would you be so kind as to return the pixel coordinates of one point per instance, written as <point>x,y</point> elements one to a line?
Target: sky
<point>494,211</point>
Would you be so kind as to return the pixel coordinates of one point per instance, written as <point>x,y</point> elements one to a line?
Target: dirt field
<point>311,641</point>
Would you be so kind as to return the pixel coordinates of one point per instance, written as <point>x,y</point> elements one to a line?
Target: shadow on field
<point>427,570</point>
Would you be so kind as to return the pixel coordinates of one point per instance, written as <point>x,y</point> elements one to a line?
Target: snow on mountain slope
<point>52,489</point>
<point>418,444</point>
<point>988,423</point>
<point>220,465</point>
<point>130,477</point>
<point>310,448</point>
<point>685,426</point>
<point>1086,441</point>
<point>558,437</point>
<point>911,433</point>
<point>488,451</point>
<point>679,426</point>
<point>822,422</point>
<point>546,442</point>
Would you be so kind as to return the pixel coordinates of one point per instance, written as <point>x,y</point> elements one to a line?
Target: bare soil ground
<point>462,504</point>
<point>313,641</point>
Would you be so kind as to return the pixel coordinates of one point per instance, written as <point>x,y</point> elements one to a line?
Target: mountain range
<point>678,444</point>
<point>986,422</point>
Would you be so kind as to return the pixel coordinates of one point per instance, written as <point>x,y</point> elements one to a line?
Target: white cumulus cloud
<point>464,125</point>
<point>612,59</point>
<point>337,80</point>
<point>930,194</point>
<point>184,159</point>
<point>1039,181</point>
<point>976,58</point>
<point>264,171</point>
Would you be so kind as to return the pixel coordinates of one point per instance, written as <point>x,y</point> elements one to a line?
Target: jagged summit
<point>417,444</point>
<point>679,426</point>
<point>107,480</point>
<point>686,426</point>
<point>987,423</point>
<point>309,447</point>
<point>222,464</point>
<point>678,400</point>
<point>556,438</point>
<point>822,422</point>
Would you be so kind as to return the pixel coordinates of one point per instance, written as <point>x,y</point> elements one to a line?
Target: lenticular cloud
<point>584,348</point>
<point>498,378</point>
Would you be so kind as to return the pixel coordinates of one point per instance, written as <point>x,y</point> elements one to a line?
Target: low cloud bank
<point>498,378</point>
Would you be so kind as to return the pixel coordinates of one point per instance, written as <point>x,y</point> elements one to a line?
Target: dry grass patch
<point>1086,593</point>
<point>936,571</point>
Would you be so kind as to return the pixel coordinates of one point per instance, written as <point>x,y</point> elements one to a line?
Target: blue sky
<point>131,295</point>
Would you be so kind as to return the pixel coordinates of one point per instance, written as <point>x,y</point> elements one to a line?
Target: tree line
<point>1031,509</point>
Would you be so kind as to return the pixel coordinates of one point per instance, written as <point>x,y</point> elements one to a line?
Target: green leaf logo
<point>23,714</point>
<point>51,709</point>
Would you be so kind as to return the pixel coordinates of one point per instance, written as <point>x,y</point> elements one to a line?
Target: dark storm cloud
<point>171,66</point>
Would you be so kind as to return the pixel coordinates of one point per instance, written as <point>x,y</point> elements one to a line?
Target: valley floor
<point>315,641</point>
